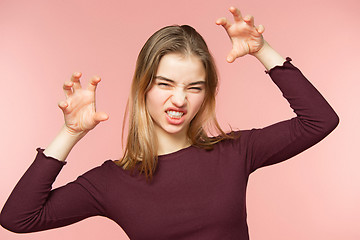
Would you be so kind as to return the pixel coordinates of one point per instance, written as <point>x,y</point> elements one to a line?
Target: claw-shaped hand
<point>79,107</point>
<point>245,37</point>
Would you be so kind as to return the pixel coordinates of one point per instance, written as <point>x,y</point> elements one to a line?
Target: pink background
<point>313,196</point>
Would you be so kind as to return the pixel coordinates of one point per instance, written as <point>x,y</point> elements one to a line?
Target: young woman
<point>174,181</point>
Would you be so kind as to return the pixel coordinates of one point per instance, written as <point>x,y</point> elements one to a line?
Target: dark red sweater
<point>195,194</point>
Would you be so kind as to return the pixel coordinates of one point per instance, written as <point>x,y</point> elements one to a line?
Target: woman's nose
<point>179,98</point>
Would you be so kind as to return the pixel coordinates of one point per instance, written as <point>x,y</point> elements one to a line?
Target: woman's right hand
<point>79,107</point>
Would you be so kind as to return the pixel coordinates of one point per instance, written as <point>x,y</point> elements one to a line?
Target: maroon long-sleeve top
<point>195,193</point>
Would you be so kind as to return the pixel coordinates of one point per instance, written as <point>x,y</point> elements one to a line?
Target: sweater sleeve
<point>314,120</point>
<point>33,206</point>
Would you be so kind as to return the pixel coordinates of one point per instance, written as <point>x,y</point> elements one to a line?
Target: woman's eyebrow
<point>197,83</point>
<point>164,78</point>
<point>172,81</point>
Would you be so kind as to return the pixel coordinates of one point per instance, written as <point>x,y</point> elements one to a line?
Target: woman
<point>174,181</point>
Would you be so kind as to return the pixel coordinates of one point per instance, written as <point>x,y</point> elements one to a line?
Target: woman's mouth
<point>174,114</point>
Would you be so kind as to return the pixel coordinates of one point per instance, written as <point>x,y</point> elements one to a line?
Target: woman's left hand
<point>246,38</point>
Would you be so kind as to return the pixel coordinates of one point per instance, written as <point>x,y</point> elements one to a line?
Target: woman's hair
<point>141,147</point>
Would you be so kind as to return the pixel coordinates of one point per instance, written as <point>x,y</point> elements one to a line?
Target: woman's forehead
<point>181,69</point>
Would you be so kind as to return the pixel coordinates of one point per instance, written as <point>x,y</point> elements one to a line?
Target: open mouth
<point>174,114</point>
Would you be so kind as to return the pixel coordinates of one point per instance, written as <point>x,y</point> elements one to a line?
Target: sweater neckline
<point>175,154</point>
<point>169,156</point>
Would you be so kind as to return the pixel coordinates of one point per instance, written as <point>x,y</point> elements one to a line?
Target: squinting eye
<point>161,84</point>
<point>195,89</point>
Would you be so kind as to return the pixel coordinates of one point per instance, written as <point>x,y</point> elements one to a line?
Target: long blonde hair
<point>141,148</point>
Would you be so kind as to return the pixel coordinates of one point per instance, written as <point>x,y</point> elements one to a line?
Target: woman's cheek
<point>196,101</point>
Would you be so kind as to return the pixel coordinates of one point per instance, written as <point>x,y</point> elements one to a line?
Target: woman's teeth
<point>174,114</point>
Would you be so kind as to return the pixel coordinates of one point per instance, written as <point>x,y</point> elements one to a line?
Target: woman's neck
<point>169,143</point>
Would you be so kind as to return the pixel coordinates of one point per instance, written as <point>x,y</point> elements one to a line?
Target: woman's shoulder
<point>107,169</point>
<point>237,140</point>
<point>233,136</point>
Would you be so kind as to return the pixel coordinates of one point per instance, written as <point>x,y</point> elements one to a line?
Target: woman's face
<point>177,93</point>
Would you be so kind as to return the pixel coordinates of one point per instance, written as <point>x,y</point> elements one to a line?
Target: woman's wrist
<point>269,57</point>
<point>62,144</point>
<point>73,135</point>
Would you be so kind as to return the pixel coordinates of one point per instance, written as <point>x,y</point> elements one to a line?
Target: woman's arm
<point>315,118</point>
<point>32,205</point>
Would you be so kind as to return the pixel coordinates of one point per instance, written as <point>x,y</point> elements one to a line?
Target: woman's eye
<point>161,84</point>
<point>195,89</point>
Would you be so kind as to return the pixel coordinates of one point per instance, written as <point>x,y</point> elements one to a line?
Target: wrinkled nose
<point>179,98</point>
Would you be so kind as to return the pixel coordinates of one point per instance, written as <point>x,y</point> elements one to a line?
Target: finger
<point>63,106</point>
<point>260,29</point>
<point>93,83</point>
<point>249,20</point>
<point>67,87</point>
<point>231,57</point>
<point>75,78</point>
<point>223,22</point>
<point>100,117</point>
<point>236,13</point>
